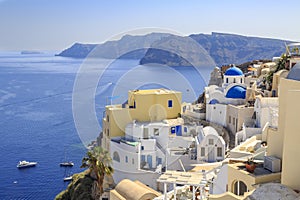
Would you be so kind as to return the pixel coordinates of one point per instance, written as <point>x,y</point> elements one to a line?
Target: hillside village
<point>236,142</point>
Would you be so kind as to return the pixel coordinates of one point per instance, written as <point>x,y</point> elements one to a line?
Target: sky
<point>57,24</point>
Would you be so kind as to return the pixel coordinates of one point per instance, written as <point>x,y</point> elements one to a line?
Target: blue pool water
<point>36,119</point>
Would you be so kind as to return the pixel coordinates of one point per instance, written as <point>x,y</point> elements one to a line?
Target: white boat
<point>68,178</point>
<point>66,164</point>
<point>24,163</point>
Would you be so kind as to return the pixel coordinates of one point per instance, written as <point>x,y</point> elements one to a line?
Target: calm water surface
<point>36,121</point>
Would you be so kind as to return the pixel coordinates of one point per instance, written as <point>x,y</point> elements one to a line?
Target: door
<point>211,154</point>
<point>146,133</point>
<point>149,160</point>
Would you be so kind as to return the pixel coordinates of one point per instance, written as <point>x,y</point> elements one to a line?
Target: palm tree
<point>99,163</point>
<point>279,66</point>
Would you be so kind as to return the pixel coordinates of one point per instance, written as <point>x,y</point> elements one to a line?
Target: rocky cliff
<point>80,188</point>
<point>222,48</point>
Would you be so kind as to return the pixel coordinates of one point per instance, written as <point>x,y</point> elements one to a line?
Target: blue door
<point>149,161</point>
<point>178,131</point>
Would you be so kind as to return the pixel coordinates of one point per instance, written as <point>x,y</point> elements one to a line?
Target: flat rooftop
<point>153,91</point>
<point>259,170</point>
<point>187,178</point>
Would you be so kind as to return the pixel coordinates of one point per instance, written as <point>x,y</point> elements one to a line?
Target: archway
<point>239,188</point>
<point>116,157</point>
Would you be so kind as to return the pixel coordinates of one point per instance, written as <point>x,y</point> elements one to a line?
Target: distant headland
<point>31,52</point>
<point>223,48</point>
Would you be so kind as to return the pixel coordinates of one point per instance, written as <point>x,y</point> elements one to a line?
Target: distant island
<point>31,52</point>
<point>223,48</point>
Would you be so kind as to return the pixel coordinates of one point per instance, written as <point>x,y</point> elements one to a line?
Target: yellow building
<point>143,106</point>
<point>283,143</point>
<point>289,111</point>
<point>240,181</point>
<point>276,80</point>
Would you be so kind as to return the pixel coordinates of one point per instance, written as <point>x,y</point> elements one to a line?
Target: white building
<point>265,115</point>
<point>150,148</point>
<point>233,91</point>
<point>210,146</point>
<point>266,110</point>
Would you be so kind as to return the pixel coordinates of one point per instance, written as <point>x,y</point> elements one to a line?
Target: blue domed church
<point>232,92</point>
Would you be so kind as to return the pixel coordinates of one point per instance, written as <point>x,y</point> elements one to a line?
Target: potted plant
<point>250,165</point>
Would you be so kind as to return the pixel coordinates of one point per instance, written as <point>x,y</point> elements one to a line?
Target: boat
<point>68,178</point>
<point>24,163</point>
<point>68,175</point>
<point>66,164</point>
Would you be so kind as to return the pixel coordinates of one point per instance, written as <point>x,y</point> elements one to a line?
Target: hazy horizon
<point>56,25</point>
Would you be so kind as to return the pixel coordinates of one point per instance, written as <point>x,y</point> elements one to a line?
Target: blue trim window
<point>170,103</point>
<point>158,160</point>
<point>173,130</point>
<point>185,129</point>
<point>126,159</point>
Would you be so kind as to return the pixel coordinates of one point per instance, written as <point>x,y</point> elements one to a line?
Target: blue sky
<point>57,24</point>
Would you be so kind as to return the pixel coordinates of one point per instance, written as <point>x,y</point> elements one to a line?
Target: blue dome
<point>236,92</point>
<point>294,74</point>
<point>214,101</point>
<point>233,71</point>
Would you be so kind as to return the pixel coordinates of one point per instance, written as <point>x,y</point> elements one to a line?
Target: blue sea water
<point>36,118</point>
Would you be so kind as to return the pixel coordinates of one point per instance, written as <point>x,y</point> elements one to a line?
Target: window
<point>233,121</point>
<point>229,120</point>
<point>116,156</point>
<point>185,129</point>
<point>173,129</point>
<point>239,188</point>
<point>234,80</point>
<point>158,160</point>
<point>170,103</point>
<point>107,132</point>
<point>211,141</point>
<point>226,80</point>
<point>156,131</point>
<point>142,148</point>
<point>219,152</point>
<point>202,151</point>
<point>126,159</point>
<point>241,80</point>
<point>107,118</point>
<point>132,161</point>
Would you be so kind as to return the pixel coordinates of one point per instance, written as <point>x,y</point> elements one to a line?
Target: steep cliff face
<point>79,189</point>
<point>222,48</point>
<point>77,50</point>
<point>237,49</point>
<point>128,47</point>
<point>85,187</point>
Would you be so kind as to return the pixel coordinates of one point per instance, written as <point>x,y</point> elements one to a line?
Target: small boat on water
<point>68,178</point>
<point>24,163</point>
<point>66,164</point>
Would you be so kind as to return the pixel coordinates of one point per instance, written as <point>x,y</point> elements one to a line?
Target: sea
<point>51,108</point>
